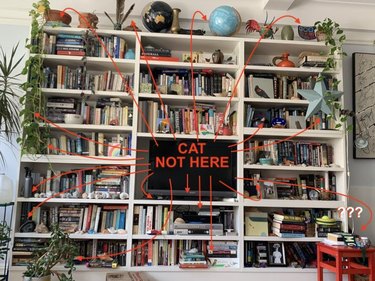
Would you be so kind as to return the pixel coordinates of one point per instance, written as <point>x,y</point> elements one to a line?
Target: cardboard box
<point>256,224</point>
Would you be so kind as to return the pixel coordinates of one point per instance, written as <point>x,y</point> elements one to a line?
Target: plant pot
<point>45,278</point>
<point>54,15</point>
<point>320,36</point>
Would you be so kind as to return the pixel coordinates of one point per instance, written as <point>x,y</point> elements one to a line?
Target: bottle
<point>6,189</point>
<point>27,191</point>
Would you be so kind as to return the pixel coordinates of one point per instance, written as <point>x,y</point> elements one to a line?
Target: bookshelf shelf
<point>74,236</point>
<point>91,127</point>
<point>187,237</point>
<point>279,239</point>
<point>237,48</point>
<point>71,93</point>
<point>73,201</point>
<point>68,159</point>
<point>181,136</point>
<point>310,134</point>
<point>293,168</point>
<point>307,204</point>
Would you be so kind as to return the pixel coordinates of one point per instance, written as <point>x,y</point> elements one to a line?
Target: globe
<point>157,16</point>
<point>224,21</point>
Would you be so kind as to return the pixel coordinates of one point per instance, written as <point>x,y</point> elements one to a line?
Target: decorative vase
<point>285,62</point>
<point>175,23</point>
<point>287,33</point>
<point>6,189</point>
<point>130,55</point>
<point>217,57</point>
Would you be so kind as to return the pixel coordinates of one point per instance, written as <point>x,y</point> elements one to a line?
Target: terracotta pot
<point>54,15</point>
<point>88,20</point>
<point>320,36</point>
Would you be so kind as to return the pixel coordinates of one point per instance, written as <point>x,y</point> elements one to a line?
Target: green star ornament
<point>318,98</point>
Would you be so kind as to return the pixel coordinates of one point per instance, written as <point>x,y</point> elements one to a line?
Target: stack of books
<point>193,260</point>
<point>326,225</point>
<point>161,54</point>
<point>337,239</point>
<point>287,226</point>
<point>70,44</point>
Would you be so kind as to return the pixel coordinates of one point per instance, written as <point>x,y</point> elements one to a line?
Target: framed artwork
<point>363,105</point>
<point>276,254</point>
<point>269,189</point>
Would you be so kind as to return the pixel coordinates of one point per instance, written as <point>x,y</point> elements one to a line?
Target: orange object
<point>285,62</point>
<point>344,261</point>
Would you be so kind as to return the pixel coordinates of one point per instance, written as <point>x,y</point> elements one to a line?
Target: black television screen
<point>176,159</point>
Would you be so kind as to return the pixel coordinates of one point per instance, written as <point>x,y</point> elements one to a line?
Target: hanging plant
<point>33,140</point>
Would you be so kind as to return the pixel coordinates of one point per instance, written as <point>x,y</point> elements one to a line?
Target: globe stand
<point>7,216</point>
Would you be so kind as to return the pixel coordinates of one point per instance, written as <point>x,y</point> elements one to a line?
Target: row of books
<point>149,218</point>
<point>179,82</point>
<point>182,119</point>
<point>271,86</point>
<point>57,107</point>
<point>292,254</point>
<point>65,77</point>
<point>97,144</point>
<point>173,252</point>
<point>113,180</point>
<point>289,152</point>
<point>295,118</point>
<point>23,249</point>
<point>293,187</point>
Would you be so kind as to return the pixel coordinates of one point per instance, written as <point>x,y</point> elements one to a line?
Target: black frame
<point>364,91</point>
<point>271,248</point>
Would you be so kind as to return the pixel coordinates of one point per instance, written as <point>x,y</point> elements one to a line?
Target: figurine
<point>266,31</point>
<point>41,228</point>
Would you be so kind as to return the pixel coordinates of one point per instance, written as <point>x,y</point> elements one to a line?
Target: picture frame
<point>363,96</point>
<point>276,254</point>
<point>269,189</point>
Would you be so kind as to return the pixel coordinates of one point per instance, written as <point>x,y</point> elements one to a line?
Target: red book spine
<point>71,53</point>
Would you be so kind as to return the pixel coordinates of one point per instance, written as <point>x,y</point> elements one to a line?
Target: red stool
<point>345,263</point>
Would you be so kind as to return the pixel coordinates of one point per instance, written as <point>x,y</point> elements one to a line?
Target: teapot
<point>284,61</point>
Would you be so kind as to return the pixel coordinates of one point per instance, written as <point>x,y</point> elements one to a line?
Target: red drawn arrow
<point>260,126</point>
<point>127,88</point>
<point>211,239</point>
<point>280,141</point>
<point>148,195</point>
<point>51,147</point>
<point>81,185</point>
<point>363,227</point>
<point>296,20</point>
<point>187,188</point>
<point>204,17</point>
<point>154,81</point>
<point>37,115</point>
<point>147,241</point>
<point>243,195</point>
<point>199,193</point>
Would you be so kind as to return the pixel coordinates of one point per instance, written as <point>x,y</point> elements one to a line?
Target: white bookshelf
<point>238,48</point>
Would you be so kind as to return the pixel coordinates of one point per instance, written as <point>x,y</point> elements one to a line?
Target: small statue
<point>266,31</point>
<point>41,228</point>
<point>120,17</point>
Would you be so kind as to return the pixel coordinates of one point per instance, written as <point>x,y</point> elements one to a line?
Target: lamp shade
<point>6,189</point>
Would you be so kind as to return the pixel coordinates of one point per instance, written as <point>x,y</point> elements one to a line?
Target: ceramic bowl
<point>73,119</point>
<point>265,161</point>
<point>306,32</point>
<point>56,15</point>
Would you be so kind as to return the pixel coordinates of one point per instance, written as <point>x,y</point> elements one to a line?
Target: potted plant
<point>10,90</point>
<point>33,140</point>
<point>60,249</point>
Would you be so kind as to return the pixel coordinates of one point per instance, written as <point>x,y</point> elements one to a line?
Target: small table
<point>345,263</point>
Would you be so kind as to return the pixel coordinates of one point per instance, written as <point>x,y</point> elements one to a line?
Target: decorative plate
<point>306,32</point>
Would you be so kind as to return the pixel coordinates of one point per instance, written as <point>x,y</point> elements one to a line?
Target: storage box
<point>256,224</point>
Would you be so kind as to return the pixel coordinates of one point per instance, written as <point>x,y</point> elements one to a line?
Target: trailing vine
<point>33,140</point>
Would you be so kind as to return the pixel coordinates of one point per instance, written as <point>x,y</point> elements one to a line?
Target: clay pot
<point>87,20</point>
<point>284,61</point>
<point>54,15</point>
